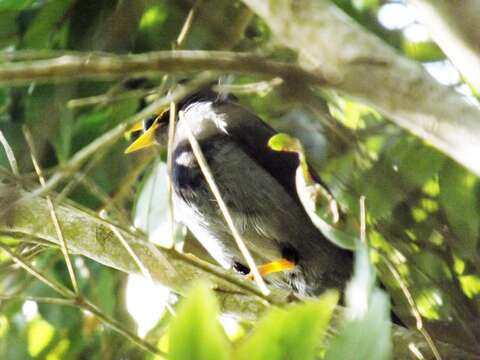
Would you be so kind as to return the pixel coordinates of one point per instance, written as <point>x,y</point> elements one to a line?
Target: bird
<point>258,187</point>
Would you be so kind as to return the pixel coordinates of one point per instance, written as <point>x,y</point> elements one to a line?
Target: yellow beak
<point>145,140</point>
<point>136,127</point>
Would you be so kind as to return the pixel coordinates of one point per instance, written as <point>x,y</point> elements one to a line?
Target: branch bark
<point>360,65</point>
<point>454,27</point>
<point>357,64</point>
<point>75,66</point>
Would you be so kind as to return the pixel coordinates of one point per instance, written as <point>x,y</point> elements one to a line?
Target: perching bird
<point>258,187</point>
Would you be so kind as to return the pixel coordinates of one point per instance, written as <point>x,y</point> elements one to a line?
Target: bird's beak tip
<point>145,140</point>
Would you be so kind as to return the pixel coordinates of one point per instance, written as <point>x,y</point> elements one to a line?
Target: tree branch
<point>75,66</point>
<point>92,237</point>
<point>454,27</point>
<point>359,64</point>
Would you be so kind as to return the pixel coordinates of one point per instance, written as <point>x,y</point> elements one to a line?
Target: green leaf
<point>14,343</point>
<point>309,195</point>
<point>368,307</point>
<point>428,161</point>
<point>424,51</point>
<point>105,284</point>
<point>314,197</point>
<point>459,201</point>
<point>40,333</point>
<point>154,16</point>
<point>381,187</point>
<point>284,142</point>
<point>14,4</point>
<point>366,338</point>
<point>8,36</point>
<point>61,317</point>
<point>62,142</point>
<point>45,26</point>
<point>292,333</point>
<point>196,333</point>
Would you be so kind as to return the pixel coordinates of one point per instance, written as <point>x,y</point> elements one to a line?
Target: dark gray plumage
<point>258,186</point>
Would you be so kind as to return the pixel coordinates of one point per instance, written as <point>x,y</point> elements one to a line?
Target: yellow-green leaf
<point>196,333</point>
<point>294,333</point>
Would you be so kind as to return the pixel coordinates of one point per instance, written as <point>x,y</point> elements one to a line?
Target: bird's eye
<point>147,123</point>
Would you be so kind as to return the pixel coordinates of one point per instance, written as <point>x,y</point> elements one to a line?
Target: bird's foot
<point>273,267</point>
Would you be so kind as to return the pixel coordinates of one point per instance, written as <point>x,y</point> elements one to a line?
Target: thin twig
<point>78,177</point>
<point>185,28</point>
<point>223,207</point>
<point>403,286</point>
<point>171,134</point>
<point>129,179</point>
<point>46,300</point>
<point>179,42</point>
<point>114,135</point>
<point>53,214</point>
<point>27,254</point>
<point>107,98</point>
<point>126,245</point>
<point>363,222</point>
<point>226,275</point>
<point>96,66</point>
<point>77,300</point>
<point>92,187</point>
<point>413,306</point>
<point>10,154</point>
<point>59,288</point>
<point>256,87</point>
<point>117,326</point>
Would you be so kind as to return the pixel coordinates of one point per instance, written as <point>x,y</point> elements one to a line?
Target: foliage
<point>422,206</point>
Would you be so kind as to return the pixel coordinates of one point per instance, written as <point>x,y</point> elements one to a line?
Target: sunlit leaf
<point>470,285</point>
<point>154,16</point>
<point>196,333</point>
<point>422,51</point>
<point>59,350</point>
<point>3,325</point>
<point>294,333</point>
<point>40,333</point>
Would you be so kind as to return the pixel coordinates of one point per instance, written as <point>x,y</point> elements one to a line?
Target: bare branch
<point>10,155</point>
<point>53,214</point>
<point>100,65</point>
<point>115,134</point>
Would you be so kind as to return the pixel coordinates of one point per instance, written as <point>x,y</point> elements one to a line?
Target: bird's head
<point>154,131</point>
<point>155,128</point>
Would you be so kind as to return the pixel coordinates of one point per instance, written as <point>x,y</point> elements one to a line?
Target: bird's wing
<point>252,135</point>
